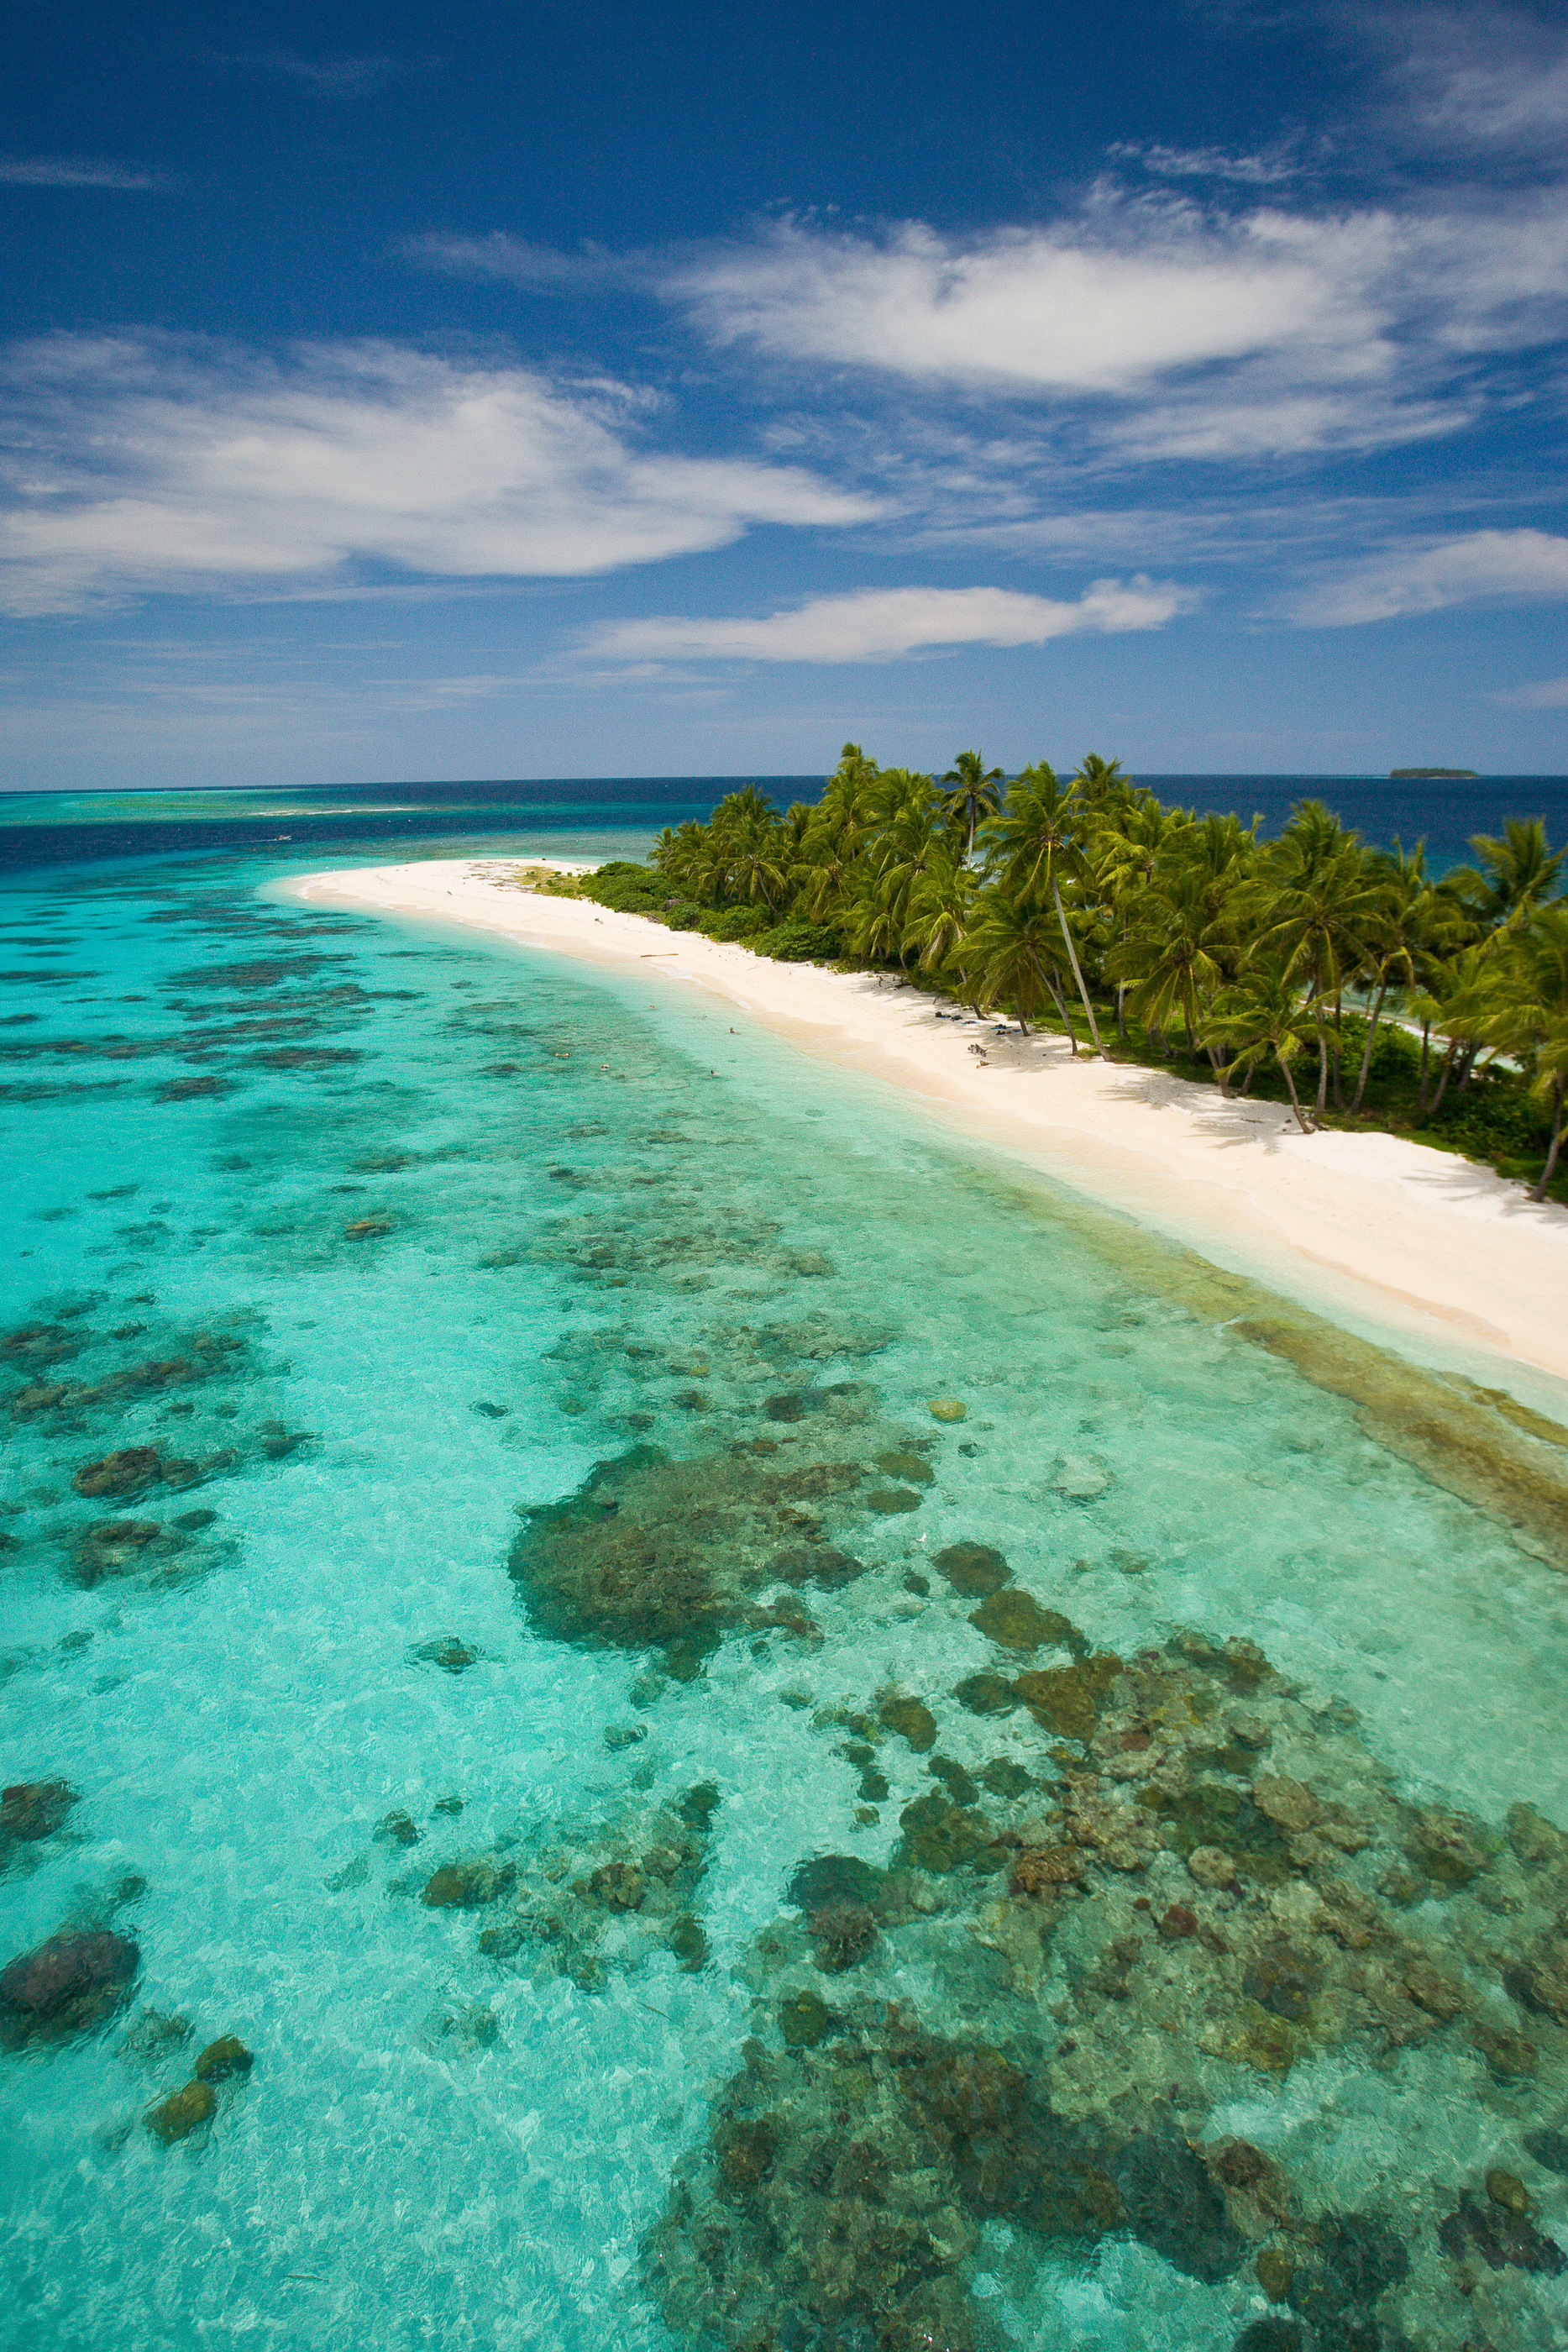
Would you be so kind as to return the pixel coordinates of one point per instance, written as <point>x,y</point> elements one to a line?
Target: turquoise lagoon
<point>379,1239</point>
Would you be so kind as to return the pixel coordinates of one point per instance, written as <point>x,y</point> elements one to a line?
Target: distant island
<point>1456,774</point>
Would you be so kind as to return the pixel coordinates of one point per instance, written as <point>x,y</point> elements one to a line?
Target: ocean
<point>768,1731</point>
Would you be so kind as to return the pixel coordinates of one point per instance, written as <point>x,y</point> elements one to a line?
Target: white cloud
<point>72,172</point>
<point>1205,163</point>
<point>512,259</point>
<point>1479,76</point>
<point>883,624</point>
<point>1481,567</point>
<point>138,467</point>
<point>1048,312</point>
<point>1159,330</point>
<point>1550,694</point>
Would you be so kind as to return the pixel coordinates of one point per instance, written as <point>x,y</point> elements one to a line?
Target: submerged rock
<point>69,1985</point>
<point>842,1935</point>
<point>31,1810</point>
<point>830,1880</point>
<point>911,1719</point>
<point>940,1836</point>
<point>446,1651</point>
<point>907,1465</point>
<point>804,2020</point>
<point>1549,2146</point>
<point>654,1552</point>
<point>1503,2237</point>
<point>1447,1846</point>
<point>126,1472</point>
<point>184,2112</point>
<point>112,1547</point>
<point>972,1567</point>
<point>1015,1620</point>
<point>986,1694</point>
<point>1354,2259</point>
<point>466,1887</point>
<point>222,2060</point>
<point>1068,1699</point>
<point>689,1945</point>
<point>1174,2207</point>
<point>947,1409</point>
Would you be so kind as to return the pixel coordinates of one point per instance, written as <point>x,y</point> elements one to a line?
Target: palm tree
<point>975,794</point>
<point>1265,1013</point>
<point>1314,896</point>
<point>1461,999</point>
<point>749,849</point>
<point>1410,921</point>
<point>941,908</point>
<point>1173,956</point>
<point>1102,782</point>
<point>1520,871</point>
<point>682,856</point>
<point>1019,952</point>
<point>1531,1019</point>
<point>1027,843</point>
<point>1122,853</point>
<point>903,839</point>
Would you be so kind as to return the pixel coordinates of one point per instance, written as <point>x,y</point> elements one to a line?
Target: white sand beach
<point>1371,1227</point>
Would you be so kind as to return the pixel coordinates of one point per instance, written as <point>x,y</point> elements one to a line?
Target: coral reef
<point>71,1984</point>
<point>1183,1886</point>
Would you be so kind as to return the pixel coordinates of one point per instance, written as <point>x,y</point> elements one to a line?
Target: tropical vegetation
<point>1342,979</point>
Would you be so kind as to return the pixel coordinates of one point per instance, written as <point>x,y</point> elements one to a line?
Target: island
<point>1456,775</point>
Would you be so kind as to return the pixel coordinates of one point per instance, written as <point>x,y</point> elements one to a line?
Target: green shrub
<point>627,890</point>
<point>732,923</point>
<point>796,942</point>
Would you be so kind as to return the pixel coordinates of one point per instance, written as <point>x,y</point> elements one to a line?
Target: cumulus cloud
<point>1046,310</point>
<point>883,624</point>
<point>1481,567</point>
<point>137,465</point>
<point>1163,330</point>
<point>72,172</point>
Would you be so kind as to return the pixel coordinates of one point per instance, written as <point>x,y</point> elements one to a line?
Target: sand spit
<point>1411,1239</point>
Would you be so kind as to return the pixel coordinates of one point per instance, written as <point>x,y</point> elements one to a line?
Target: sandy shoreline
<point>1392,1231</point>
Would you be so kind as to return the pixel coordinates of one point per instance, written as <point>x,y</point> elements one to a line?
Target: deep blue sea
<point>770,1735</point>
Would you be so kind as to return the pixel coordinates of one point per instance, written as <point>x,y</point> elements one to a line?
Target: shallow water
<point>389,1237</point>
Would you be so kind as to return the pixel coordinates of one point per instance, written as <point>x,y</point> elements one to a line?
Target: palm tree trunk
<point>1322,1103</point>
<point>1060,1003</point>
<point>1078,976</point>
<point>1443,1081</point>
<point>1366,1056</point>
<point>1538,1191</point>
<point>1338,1039</point>
<point>1221,1073</point>
<point>1466,1066</point>
<point>1426,1056</point>
<point>1295,1099</point>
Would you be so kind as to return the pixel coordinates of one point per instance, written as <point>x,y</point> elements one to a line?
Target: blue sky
<point>570,388</point>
